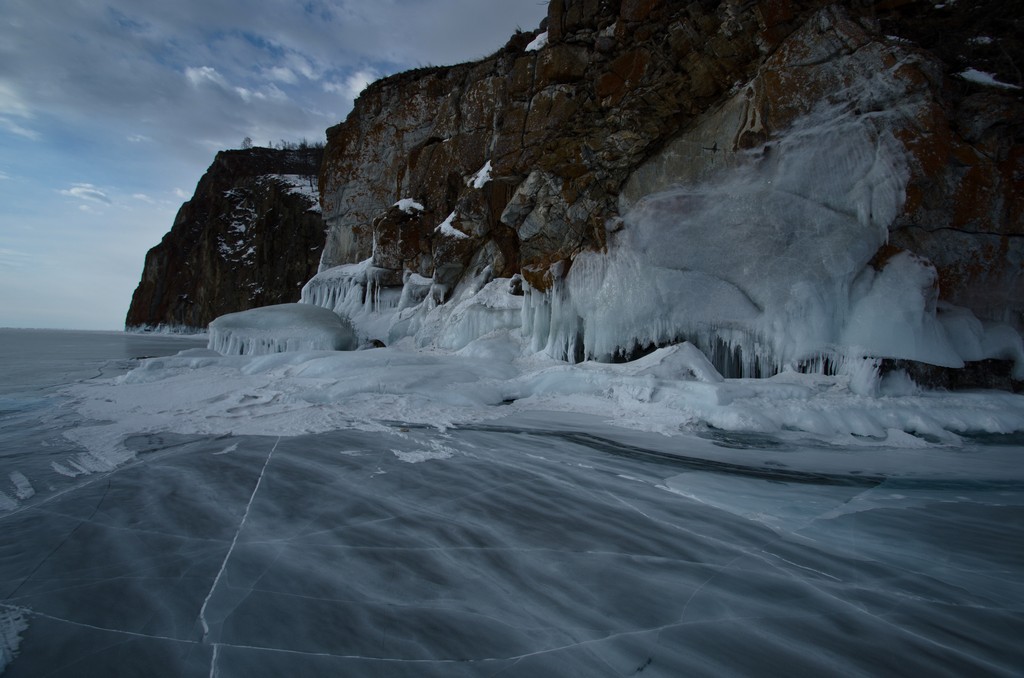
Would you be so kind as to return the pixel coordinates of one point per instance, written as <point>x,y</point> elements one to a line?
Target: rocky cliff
<point>762,170</point>
<point>251,236</point>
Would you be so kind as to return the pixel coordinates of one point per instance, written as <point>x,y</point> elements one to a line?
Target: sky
<point>111,110</point>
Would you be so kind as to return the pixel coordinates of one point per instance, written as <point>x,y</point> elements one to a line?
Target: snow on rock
<point>480,179</point>
<point>983,78</point>
<point>304,185</point>
<point>409,206</point>
<point>280,328</point>
<point>540,42</point>
<point>446,227</point>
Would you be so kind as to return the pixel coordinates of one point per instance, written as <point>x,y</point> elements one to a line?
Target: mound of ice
<point>280,328</point>
<point>359,293</point>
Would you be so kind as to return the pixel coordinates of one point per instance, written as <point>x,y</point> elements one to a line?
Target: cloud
<point>352,85</point>
<point>204,74</point>
<point>138,95</point>
<point>192,69</point>
<point>143,198</point>
<point>14,112</point>
<point>87,192</point>
<point>282,74</point>
<point>13,259</point>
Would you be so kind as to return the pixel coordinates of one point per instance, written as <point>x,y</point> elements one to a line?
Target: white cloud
<point>160,86</point>
<point>15,128</point>
<point>204,74</point>
<point>13,259</point>
<point>352,85</point>
<point>282,74</point>
<point>14,112</point>
<point>87,192</point>
<point>144,198</point>
<point>248,95</point>
<point>11,103</point>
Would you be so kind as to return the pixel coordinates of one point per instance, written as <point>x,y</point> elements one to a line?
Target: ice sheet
<point>517,551</point>
<point>290,528</point>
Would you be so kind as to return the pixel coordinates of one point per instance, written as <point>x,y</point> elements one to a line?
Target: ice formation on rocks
<point>279,328</point>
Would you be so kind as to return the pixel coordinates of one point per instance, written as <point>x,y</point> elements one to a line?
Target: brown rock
<point>245,239</point>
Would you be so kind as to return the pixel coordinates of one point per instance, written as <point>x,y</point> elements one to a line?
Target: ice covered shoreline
<point>673,392</point>
<point>442,513</point>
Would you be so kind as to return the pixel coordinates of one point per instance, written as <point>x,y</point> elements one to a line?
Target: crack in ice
<point>234,541</point>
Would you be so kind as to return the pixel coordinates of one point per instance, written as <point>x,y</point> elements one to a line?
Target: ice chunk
<point>284,327</point>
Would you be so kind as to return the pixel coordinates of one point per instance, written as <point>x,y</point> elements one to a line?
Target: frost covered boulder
<point>280,328</point>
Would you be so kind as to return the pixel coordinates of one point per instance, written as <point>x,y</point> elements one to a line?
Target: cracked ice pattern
<point>525,552</point>
<point>551,544</point>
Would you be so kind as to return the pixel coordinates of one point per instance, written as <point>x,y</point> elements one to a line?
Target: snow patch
<point>22,487</point>
<point>436,451</point>
<point>540,42</point>
<point>304,185</point>
<point>986,79</point>
<point>446,227</point>
<point>408,205</point>
<point>482,176</point>
<point>12,623</point>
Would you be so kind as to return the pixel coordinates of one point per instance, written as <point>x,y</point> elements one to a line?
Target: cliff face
<point>528,160</point>
<point>250,236</point>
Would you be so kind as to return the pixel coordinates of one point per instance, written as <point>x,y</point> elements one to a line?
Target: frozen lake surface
<point>541,543</point>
